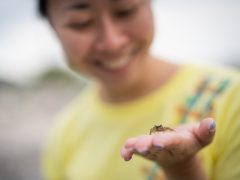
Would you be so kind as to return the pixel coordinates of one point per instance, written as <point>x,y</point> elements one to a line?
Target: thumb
<point>205,131</point>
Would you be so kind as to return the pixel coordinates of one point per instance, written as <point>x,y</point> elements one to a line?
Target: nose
<point>110,36</point>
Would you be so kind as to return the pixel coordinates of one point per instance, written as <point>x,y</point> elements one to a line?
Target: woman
<point>108,41</point>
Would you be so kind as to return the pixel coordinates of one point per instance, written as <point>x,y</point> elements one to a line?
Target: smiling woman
<point>203,32</point>
<point>109,42</point>
<point>104,42</point>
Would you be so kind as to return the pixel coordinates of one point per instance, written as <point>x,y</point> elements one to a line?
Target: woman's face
<point>106,39</point>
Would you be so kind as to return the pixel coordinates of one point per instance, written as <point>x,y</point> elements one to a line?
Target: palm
<point>168,148</point>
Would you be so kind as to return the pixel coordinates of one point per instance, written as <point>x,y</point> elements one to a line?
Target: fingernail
<point>158,146</point>
<point>212,126</point>
<point>128,158</point>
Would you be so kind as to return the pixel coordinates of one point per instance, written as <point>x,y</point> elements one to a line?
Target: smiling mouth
<point>113,64</point>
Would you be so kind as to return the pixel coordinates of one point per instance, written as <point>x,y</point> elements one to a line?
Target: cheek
<point>146,27</point>
<point>148,30</point>
<point>145,35</point>
<point>75,46</point>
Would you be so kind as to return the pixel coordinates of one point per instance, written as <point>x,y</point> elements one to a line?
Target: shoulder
<point>71,112</point>
<point>62,136</point>
<point>222,90</point>
<point>67,119</point>
<point>66,125</point>
<point>209,90</point>
<point>218,78</point>
<point>228,78</point>
<point>224,83</point>
<point>216,71</point>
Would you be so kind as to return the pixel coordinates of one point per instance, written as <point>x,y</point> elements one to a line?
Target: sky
<point>205,31</point>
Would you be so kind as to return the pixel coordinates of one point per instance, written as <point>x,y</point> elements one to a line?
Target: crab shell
<point>159,128</point>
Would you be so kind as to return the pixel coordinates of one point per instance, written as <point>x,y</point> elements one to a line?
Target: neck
<point>155,75</point>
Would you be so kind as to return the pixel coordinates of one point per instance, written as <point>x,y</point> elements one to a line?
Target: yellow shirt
<point>86,141</point>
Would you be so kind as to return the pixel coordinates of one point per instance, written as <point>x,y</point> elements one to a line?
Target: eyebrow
<point>79,6</point>
<point>85,5</point>
<point>115,1</point>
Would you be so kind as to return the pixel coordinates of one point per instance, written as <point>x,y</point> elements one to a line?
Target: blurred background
<point>35,83</point>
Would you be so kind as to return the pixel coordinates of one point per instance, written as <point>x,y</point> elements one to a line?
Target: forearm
<point>191,170</point>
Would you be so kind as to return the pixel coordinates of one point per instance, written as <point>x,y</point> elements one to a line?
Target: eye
<point>126,12</point>
<point>81,25</point>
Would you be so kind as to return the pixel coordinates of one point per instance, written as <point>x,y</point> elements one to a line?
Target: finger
<point>130,142</point>
<point>166,140</point>
<point>126,154</point>
<point>205,131</point>
<point>143,144</point>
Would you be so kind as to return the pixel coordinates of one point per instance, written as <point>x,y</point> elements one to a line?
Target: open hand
<point>170,148</point>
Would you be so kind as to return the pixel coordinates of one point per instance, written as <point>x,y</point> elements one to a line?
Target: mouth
<point>116,64</point>
<point>113,65</point>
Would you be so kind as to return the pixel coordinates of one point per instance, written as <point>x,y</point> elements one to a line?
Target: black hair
<point>42,7</point>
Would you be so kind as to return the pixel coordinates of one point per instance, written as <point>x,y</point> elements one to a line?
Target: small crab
<point>159,128</point>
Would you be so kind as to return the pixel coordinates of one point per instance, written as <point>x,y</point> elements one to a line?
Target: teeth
<point>116,64</point>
